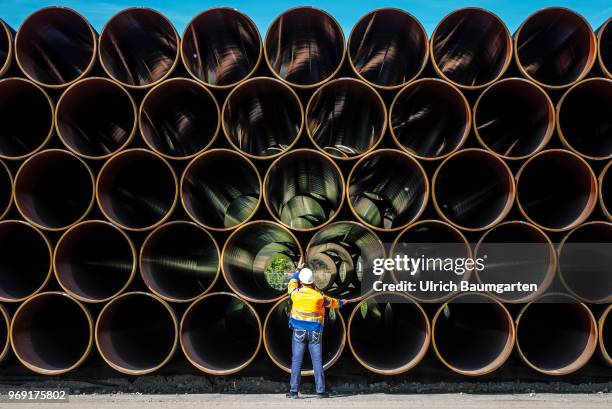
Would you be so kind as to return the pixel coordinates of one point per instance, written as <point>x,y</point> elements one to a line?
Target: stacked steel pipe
<point>157,191</point>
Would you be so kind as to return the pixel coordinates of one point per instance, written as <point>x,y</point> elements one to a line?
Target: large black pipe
<point>604,47</point>
<point>5,339</point>
<point>605,335</point>
<point>7,49</point>
<point>6,189</point>
<point>605,191</point>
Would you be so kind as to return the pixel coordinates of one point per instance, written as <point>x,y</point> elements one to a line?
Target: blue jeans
<point>299,340</point>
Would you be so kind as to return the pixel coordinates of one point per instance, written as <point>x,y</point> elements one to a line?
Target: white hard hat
<point>306,276</point>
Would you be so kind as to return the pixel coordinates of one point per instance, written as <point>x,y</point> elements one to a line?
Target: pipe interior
<point>473,189</point>
<point>5,44</point>
<point>220,333</point>
<point>136,332</point>
<point>96,117</point>
<point>605,47</point>
<point>388,189</point>
<point>51,332</point>
<point>346,118</point>
<point>555,46</point>
<point>136,189</point>
<point>54,189</point>
<point>262,117</point>
<point>585,118</point>
<point>471,47</point>
<point>221,189</point>
<point>20,101</point>
<point>388,47</point>
<point>606,335</point>
<point>92,271</point>
<point>430,118</point>
<point>221,47</point>
<point>304,189</point>
<point>514,118</point>
<point>179,118</point>
<point>606,192</point>
<point>55,46</point>
<point>138,47</point>
<point>6,188</point>
<point>4,334</point>
<point>305,46</point>
<point>179,261</point>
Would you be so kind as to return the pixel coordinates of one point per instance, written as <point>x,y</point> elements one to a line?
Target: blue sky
<point>429,12</point>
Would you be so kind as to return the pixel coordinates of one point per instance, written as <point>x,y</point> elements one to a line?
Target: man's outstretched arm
<point>294,283</point>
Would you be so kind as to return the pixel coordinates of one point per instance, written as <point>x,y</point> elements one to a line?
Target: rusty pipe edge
<point>584,270</point>
<point>180,261</point>
<point>559,32</point>
<point>20,101</point>
<point>508,264</point>
<point>136,333</point>
<point>545,330</point>
<point>604,48</point>
<point>304,190</point>
<point>388,48</point>
<point>429,119</point>
<point>262,118</point>
<point>473,189</point>
<point>51,333</point>
<point>514,118</point>
<point>605,336</point>
<point>90,272</point>
<point>304,47</point>
<point>387,190</point>
<point>55,47</point>
<point>346,118</point>
<point>5,341</point>
<point>473,334</point>
<point>249,255</point>
<point>583,118</point>
<point>221,189</point>
<point>390,335</point>
<point>277,338</point>
<point>221,47</point>
<point>139,47</point>
<point>471,48</point>
<point>236,328</point>
<point>556,190</point>
<point>426,233</point>
<point>6,189</point>
<point>605,192</point>
<point>136,189</point>
<point>95,118</point>
<point>179,118</point>
<point>7,49</point>
<point>54,189</point>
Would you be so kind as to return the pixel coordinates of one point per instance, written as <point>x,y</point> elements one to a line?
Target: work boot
<point>292,395</point>
<point>322,395</point>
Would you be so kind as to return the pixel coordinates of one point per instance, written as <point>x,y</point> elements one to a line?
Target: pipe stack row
<point>154,185</point>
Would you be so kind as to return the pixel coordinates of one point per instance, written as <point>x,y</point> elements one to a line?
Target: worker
<point>306,321</point>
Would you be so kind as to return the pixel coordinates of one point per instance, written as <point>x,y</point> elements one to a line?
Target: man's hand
<point>300,264</point>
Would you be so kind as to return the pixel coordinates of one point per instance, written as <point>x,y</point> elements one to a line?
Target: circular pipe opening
<point>55,46</point>
<point>388,48</point>
<point>25,261</point>
<point>136,333</point>
<point>51,333</point>
<point>179,261</point>
<point>387,189</point>
<point>220,189</point>
<point>6,189</point>
<point>556,335</point>
<point>555,47</point>
<point>221,47</point>
<point>584,122</point>
<point>388,333</point>
<point>95,118</point>
<point>179,118</point>
<point>262,118</point>
<point>54,189</point>
<point>471,48</point>
<point>346,118</point>
<point>473,334</point>
<point>429,119</point>
<point>605,192</point>
<point>605,336</point>
<point>139,47</point>
<point>258,260</point>
<point>136,189</point>
<point>604,45</point>
<point>304,47</point>
<point>514,118</point>
<point>473,189</point>
<point>5,342</point>
<point>277,338</point>
<point>556,190</point>
<point>6,47</point>
<point>236,328</point>
<point>91,272</point>
<point>303,190</point>
<point>20,101</point>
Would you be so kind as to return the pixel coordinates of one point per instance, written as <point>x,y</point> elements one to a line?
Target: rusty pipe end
<point>605,191</point>
<point>7,49</point>
<point>6,189</point>
<point>604,48</point>
<point>605,336</point>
